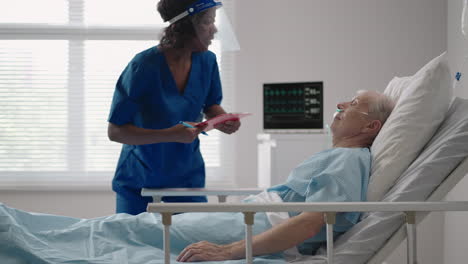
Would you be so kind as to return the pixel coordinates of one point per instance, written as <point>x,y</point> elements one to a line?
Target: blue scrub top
<point>146,95</point>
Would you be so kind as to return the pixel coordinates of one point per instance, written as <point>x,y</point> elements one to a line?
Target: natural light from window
<point>56,86</point>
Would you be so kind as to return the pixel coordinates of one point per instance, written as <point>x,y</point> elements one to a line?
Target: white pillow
<point>396,87</point>
<point>419,111</point>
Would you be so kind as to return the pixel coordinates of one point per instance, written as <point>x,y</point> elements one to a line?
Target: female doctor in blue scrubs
<point>175,81</point>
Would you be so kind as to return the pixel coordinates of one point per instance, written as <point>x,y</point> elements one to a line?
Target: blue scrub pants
<point>133,203</point>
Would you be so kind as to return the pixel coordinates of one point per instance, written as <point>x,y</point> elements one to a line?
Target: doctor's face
<point>353,116</point>
<point>205,29</point>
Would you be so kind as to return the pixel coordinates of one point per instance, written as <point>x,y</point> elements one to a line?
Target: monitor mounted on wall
<point>293,107</point>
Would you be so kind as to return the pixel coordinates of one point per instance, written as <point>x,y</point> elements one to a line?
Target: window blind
<point>58,70</point>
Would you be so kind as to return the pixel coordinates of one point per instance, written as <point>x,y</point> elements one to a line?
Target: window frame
<point>76,33</point>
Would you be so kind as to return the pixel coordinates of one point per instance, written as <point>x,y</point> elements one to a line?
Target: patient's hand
<point>204,251</point>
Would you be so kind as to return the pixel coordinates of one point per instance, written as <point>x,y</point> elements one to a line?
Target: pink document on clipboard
<point>221,119</point>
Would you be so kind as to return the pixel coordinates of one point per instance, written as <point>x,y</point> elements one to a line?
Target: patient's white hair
<point>381,106</point>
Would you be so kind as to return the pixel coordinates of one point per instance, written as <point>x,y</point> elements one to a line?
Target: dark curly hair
<point>180,33</point>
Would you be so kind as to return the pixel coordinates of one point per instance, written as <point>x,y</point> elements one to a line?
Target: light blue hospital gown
<point>338,175</point>
<point>333,175</point>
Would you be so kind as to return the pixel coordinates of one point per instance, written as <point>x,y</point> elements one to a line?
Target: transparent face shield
<point>211,25</point>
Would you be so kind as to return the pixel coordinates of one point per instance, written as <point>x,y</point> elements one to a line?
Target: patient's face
<point>353,117</point>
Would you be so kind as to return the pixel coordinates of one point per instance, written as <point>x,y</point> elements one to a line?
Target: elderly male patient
<point>339,174</point>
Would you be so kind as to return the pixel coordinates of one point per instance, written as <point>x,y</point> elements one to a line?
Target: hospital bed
<point>123,238</point>
<point>420,190</point>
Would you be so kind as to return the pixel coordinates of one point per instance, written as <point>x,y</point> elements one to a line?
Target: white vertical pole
<point>330,219</point>
<point>411,237</point>
<point>249,221</point>
<point>167,219</point>
<point>264,150</point>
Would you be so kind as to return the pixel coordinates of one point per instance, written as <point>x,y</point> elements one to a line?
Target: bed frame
<point>415,212</point>
<point>437,195</point>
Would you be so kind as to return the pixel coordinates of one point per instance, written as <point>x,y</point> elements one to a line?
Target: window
<point>58,69</point>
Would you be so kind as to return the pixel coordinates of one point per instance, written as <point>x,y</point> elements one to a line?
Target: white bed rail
<point>328,208</point>
<point>221,193</point>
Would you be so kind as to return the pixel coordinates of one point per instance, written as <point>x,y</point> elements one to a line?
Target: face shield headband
<point>195,8</point>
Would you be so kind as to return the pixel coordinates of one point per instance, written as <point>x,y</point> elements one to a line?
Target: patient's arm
<point>281,237</point>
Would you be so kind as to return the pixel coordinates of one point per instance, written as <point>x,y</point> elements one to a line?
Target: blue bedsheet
<point>40,238</point>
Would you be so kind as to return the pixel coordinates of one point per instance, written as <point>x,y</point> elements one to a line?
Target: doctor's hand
<point>183,134</point>
<point>205,251</point>
<point>229,127</point>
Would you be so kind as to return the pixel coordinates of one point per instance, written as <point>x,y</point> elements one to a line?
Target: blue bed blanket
<point>121,238</point>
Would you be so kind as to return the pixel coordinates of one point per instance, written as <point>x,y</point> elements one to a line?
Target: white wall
<point>457,44</point>
<point>350,45</point>
<point>455,232</point>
